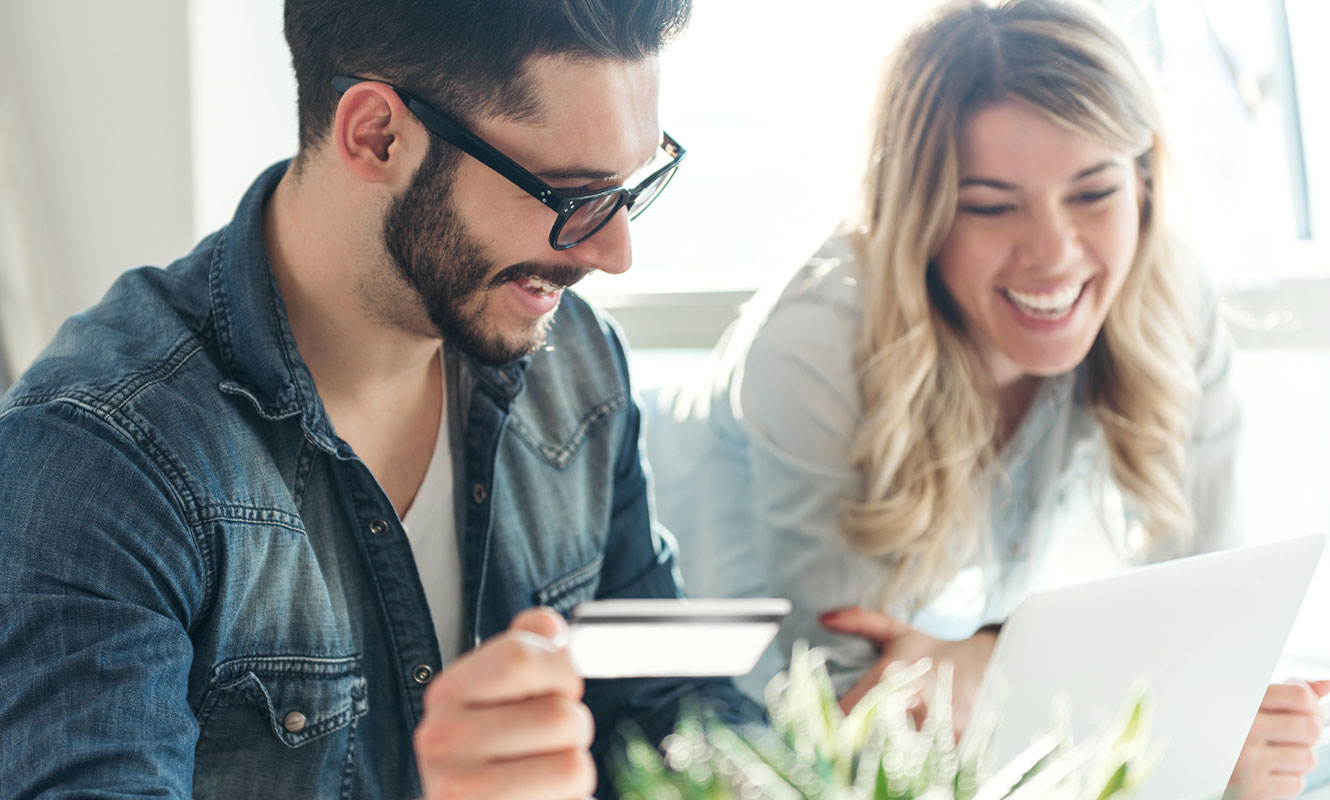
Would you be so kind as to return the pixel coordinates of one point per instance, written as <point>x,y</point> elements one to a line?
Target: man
<point>259,506</point>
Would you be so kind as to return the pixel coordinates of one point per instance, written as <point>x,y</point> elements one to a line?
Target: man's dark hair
<point>467,56</point>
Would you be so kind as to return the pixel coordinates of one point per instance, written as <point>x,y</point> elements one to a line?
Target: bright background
<point>130,129</point>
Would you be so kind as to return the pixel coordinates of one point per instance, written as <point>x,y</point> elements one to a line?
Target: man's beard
<point>432,251</point>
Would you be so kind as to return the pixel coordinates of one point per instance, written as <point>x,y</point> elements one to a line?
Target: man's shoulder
<point>138,366</point>
<point>148,330</point>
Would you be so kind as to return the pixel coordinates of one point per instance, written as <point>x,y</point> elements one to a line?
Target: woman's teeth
<point>538,285</point>
<point>1049,305</point>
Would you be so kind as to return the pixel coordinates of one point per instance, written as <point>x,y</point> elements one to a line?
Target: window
<point>793,87</point>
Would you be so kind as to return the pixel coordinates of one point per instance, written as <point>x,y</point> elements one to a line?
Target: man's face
<point>475,248</point>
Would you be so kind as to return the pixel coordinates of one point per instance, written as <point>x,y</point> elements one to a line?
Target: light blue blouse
<point>752,467</point>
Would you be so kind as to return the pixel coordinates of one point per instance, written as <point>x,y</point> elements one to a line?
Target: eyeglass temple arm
<point>455,134</point>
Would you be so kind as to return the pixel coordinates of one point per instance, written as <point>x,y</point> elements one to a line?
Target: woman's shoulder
<point>819,304</point>
<point>830,277</point>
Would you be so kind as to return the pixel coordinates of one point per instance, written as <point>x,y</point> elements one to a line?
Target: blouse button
<point>294,722</point>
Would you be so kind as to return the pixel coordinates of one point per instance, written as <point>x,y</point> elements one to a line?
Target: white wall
<point>96,114</point>
<point>244,101</point>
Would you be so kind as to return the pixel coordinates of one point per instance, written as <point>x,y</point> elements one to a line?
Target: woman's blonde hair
<point>927,447</point>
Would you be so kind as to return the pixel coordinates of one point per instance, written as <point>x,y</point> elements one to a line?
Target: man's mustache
<point>557,274</point>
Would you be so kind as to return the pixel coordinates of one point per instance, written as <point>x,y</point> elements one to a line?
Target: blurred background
<point>129,130</point>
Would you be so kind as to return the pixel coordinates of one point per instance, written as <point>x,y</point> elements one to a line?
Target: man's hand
<point>506,721</point>
<point>1280,749</point>
<point>900,643</point>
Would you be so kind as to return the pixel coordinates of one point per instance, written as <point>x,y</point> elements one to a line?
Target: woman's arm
<point>798,400</point>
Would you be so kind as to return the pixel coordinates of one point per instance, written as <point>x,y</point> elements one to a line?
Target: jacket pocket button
<point>422,673</point>
<point>294,722</point>
<point>378,527</point>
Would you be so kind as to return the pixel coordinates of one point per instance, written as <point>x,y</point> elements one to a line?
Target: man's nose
<point>609,249</point>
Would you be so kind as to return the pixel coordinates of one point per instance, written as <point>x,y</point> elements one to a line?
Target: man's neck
<point>321,253</point>
<point>379,384</point>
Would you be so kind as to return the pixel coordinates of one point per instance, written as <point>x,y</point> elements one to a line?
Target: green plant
<point>812,751</point>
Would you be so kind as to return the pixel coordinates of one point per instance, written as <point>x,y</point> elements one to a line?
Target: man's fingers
<point>570,773</point>
<point>1319,688</point>
<point>537,726</point>
<point>858,621</point>
<point>506,721</point>
<point>542,622</point>
<point>512,666</point>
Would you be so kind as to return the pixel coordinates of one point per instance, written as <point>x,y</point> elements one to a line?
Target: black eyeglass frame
<point>564,205</point>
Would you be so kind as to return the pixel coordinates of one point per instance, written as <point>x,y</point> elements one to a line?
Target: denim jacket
<point>204,592</point>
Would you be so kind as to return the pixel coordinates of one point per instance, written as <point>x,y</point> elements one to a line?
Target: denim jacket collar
<point>253,332</point>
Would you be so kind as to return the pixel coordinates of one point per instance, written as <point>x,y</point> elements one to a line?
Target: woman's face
<point>1046,228</point>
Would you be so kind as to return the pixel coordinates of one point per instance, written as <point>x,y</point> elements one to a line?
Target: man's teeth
<point>536,283</point>
<point>1048,304</point>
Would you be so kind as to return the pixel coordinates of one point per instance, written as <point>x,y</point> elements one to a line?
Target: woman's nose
<point>1051,240</point>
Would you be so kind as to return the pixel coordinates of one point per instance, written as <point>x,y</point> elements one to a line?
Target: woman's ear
<point>376,137</point>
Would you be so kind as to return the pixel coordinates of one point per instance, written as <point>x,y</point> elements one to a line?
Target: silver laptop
<point>1202,634</point>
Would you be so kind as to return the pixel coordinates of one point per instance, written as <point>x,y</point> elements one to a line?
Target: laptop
<point>1201,634</point>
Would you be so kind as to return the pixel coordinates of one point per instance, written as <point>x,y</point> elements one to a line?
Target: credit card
<point>656,638</point>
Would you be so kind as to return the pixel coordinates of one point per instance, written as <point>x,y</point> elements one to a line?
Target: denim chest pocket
<point>557,436</point>
<point>565,592</point>
<point>279,727</point>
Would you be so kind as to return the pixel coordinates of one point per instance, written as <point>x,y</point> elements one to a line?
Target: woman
<point>999,377</point>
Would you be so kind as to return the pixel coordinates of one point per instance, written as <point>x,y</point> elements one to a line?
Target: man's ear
<point>376,137</point>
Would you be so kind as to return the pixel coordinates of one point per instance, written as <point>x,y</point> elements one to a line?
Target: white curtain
<point>25,316</point>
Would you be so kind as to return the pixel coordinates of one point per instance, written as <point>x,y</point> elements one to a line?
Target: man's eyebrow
<point>577,173</point>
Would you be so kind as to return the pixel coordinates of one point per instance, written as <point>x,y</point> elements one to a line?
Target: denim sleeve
<point>99,578</point>
<point>639,562</point>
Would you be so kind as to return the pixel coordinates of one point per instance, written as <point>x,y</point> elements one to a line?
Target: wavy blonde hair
<point>928,443</point>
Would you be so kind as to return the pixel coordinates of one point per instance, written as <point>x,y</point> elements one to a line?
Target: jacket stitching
<point>561,455</point>
<point>571,581</point>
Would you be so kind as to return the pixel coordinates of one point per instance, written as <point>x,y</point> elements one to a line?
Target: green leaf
<point>812,751</point>
<point>1115,783</point>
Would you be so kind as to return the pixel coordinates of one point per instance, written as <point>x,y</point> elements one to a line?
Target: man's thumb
<point>543,622</point>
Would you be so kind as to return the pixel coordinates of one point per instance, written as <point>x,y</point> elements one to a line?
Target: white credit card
<point>659,638</point>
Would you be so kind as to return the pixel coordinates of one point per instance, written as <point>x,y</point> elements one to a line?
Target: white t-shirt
<point>432,531</point>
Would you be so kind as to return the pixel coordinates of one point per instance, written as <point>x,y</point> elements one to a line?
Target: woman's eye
<point>986,211</point>
<point>1086,198</point>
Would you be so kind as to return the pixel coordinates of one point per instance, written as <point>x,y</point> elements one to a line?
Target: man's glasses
<point>579,215</point>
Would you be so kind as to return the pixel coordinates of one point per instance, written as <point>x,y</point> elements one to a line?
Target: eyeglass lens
<point>588,218</point>
<point>650,192</point>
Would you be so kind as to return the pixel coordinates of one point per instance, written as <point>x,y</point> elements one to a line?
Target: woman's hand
<point>1280,749</point>
<point>900,643</point>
